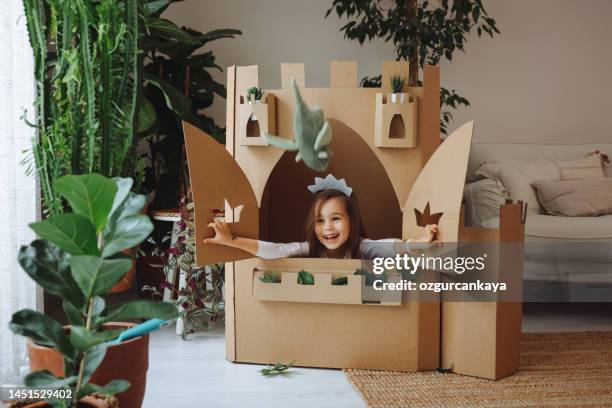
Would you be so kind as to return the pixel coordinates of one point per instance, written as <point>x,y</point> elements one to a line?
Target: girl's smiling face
<point>333,226</point>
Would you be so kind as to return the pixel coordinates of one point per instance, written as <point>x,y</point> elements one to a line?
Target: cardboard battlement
<point>342,74</point>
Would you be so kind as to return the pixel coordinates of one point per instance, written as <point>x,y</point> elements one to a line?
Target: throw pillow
<point>584,168</point>
<point>576,198</point>
<point>517,177</point>
<point>483,200</point>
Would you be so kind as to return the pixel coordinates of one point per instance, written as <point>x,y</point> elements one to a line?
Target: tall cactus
<point>86,60</point>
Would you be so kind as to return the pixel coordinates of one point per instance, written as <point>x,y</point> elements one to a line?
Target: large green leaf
<point>93,358</point>
<point>131,205</point>
<point>73,233</point>
<point>75,317</point>
<point>155,6</point>
<point>167,29</point>
<point>127,233</point>
<point>216,34</point>
<point>95,276</point>
<point>124,185</point>
<point>46,379</point>
<point>175,100</point>
<point>200,61</point>
<point>140,309</point>
<point>42,330</point>
<point>126,227</point>
<point>90,195</point>
<point>49,266</point>
<point>146,116</point>
<point>98,305</point>
<point>112,388</point>
<point>83,339</point>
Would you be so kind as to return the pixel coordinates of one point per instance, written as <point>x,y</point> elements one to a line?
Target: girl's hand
<point>431,230</point>
<point>223,233</point>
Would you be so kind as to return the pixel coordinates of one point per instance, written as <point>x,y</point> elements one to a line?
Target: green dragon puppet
<point>313,134</point>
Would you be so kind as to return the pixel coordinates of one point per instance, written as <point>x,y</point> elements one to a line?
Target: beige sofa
<point>570,256</point>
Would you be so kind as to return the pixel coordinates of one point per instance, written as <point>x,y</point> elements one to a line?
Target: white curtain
<point>18,192</point>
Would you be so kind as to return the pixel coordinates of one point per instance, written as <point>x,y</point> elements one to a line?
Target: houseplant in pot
<point>397,83</point>
<point>254,95</point>
<point>79,258</point>
<point>199,295</point>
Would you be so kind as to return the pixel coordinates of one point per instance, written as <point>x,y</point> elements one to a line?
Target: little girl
<point>334,230</point>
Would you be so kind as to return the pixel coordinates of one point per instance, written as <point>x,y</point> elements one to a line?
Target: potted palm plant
<point>79,258</point>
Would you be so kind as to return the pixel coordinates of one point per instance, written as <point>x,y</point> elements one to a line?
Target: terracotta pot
<point>127,282</point>
<point>128,360</point>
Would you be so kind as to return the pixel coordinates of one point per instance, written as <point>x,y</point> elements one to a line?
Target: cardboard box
<point>482,338</point>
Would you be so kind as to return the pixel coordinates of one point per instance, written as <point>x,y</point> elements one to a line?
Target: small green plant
<point>397,83</point>
<point>79,259</point>
<point>270,277</point>
<point>341,281</point>
<point>254,94</point>
<point>276,369</point>
<point>305,278</point>
<point>86,70</point>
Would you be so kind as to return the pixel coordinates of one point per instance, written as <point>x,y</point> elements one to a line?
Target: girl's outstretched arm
<point>224,236</point>
<point>262,249</point>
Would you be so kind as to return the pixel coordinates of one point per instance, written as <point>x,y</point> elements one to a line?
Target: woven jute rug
<point>556,370</point>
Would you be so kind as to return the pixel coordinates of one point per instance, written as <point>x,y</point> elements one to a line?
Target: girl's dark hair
<point>316,249</point>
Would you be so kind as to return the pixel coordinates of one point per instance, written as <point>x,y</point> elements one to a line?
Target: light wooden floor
<point>195,373</point>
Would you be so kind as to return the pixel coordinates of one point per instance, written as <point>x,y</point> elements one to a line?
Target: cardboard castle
<point>390,154</point>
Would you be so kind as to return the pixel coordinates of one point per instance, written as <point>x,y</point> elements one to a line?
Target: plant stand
<point>175,218</point>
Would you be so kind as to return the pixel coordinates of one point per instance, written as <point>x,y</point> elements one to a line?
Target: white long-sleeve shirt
<point>370,248</point>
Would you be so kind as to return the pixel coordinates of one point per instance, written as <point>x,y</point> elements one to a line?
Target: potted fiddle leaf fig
<point>79,258</point>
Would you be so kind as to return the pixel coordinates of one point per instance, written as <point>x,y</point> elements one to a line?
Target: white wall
<point>545,78</point>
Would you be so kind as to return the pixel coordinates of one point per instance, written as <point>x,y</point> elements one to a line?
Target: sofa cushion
<point>554,226</point>
<point>483,200</point>
<point>576,198</point>
<point>583,168</point>
<point>517,177</point>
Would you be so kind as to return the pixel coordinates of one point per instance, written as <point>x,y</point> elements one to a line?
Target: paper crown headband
<point>330,183</point>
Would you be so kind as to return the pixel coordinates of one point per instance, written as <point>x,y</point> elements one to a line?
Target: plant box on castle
<point>395,124</point>
<point>256,118</point>
<point>353,291</point>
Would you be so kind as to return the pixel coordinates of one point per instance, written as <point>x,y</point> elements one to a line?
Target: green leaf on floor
<point>276,369</point>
